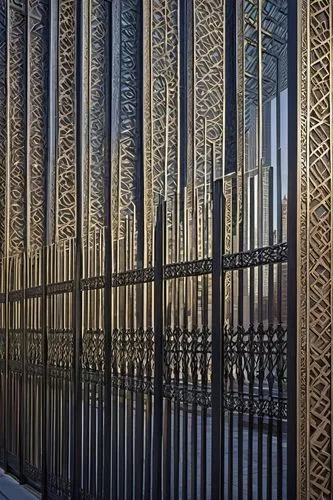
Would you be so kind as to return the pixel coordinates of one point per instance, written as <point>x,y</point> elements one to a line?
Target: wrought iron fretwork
<point>314,256</point>
<point>143,254</point>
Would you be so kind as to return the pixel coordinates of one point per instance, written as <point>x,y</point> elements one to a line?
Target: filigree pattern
<point>15,345</point>
<point>3,124</point>
<point>228,245</point>
<point>130,75</point>
<point>187,365</point>
<point>95,79</point>
<point>65,168</point>
<point>316,271</point>
<point>165,112</point>
<point>34,347</point>
<point>93,350</point>
<point>133,359</point>
<point>125,170</point>
<point>37,139</point>
<point>17,184</point>
<point>302,472</point>
<point>208,86</point>
<point>60,348</point>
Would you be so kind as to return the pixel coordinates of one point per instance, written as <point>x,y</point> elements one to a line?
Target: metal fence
<point>131,384</point>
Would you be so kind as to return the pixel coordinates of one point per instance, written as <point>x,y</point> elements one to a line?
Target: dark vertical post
<point>217,345</point>
<point>158,340</point>
<point>293,103</point>
<point>77,299</point>
<point>44,375</point>
<point>231,157</point>
<point>107,266</point>
<point>48,201</point>
<point>140,289</point>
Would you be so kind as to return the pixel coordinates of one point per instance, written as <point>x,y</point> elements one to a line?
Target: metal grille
<point>143,332</point>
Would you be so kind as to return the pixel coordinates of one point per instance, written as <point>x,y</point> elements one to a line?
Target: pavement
<point>10,489</point>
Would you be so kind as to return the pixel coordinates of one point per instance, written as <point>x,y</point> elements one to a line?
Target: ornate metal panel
<point>16,151</point>
<point>126,121</point>
<point>3,124</point>
<point>37,118</point>
<point>94,109</point>
<point>315,251</point>
<point>165,95</point>
<point>65,175</point>
<point>208,87</point>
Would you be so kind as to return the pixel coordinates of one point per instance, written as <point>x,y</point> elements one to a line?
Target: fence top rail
<point>262,256</point>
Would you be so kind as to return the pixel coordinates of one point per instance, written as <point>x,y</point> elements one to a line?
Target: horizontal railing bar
<point>274,254</point>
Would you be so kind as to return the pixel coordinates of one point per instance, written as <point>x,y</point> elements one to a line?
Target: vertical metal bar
<point>233,163</point>
<point>260,243</point>
<point>217,345</point>
<point>107,265</point>
<point>7,231</point>
<point>140,289</point>
<point>77,297</point>
<point>44,375</point>
<point>293,201</point>
<point>278,189</point>
<point>158,352</point>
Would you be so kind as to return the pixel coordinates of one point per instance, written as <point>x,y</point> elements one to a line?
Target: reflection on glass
<point>258,203</point>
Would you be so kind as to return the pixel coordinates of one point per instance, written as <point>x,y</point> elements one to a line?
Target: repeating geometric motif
<point>132,359</point>
<point>320,247</point>
<point>165,112</point>
<point>38,78</point>
<point>34,343</point>
<point>209,93</point>
<point>3,124</point>
<point>302,430</point>
<point>95,81</point>
<point>124,174</point>
<point>93,350</point>
<point>129,126</point>
<point>60,348</point>
<point>17,182</point>
<point>65,199</point>
<point>228,246</point>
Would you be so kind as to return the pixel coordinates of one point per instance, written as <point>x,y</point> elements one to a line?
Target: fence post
<point>158,351</point>
<point>45,373</point>
<point>217,345</point>
<point>107,265</point>
<point>77,298</point>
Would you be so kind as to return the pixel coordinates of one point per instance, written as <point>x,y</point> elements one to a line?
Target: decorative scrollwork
<point>15,345</point>
<point>133,359</point>
<point>59,288</point>
<point>17,184</point>
<point>258,257</point>
<point>133,277</point>
<point>60,348</point>
<point>34,347</point>
<point>209,94</point>
<point>93,350</point>
<point>65,199</point>
<point>3,123</point>
<point>38,74</point>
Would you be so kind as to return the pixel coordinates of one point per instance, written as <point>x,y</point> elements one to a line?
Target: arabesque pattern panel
<point>315,253</point>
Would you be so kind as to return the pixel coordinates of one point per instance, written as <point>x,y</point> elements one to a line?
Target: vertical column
<point>311,254</point>
<point>3,123</point>
<point>160,249</point>
<point>64,197</point>
<point>77,295</point>
<point>107,263</point>
<point>217,347</point>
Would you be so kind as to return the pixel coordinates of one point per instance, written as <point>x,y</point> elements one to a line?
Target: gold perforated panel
<point>315,253</point>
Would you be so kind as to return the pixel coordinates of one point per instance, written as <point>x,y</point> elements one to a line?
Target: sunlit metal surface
<point>120,140</point>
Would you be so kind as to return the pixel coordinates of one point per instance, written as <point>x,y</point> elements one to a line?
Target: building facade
<point>111,114</point>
